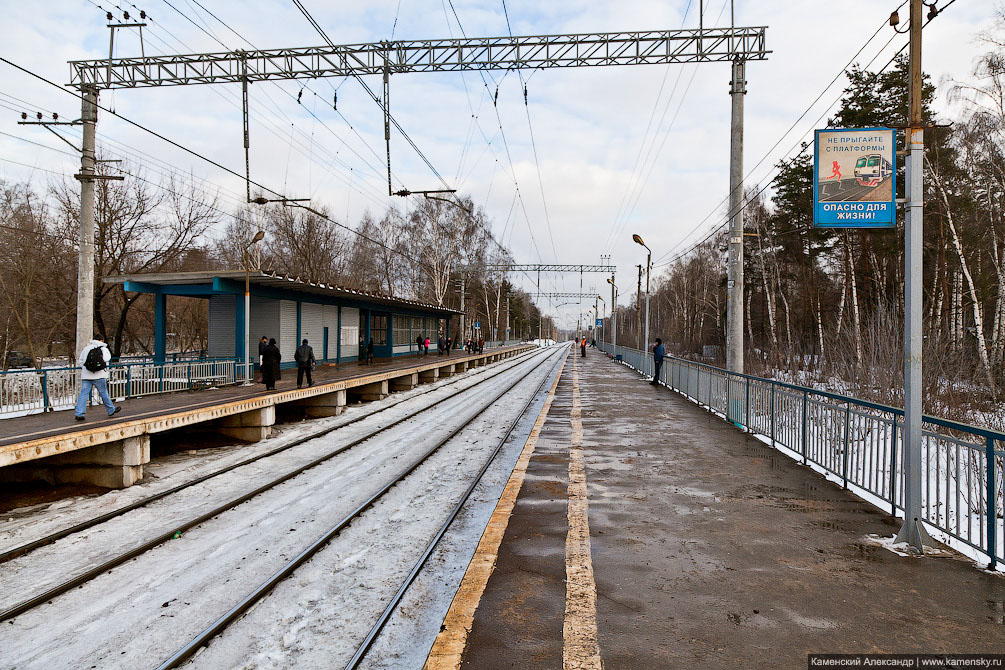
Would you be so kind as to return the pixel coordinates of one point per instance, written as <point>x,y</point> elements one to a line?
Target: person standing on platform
<point>270,365</point>
<point>481,345</point>
<point>425,345</point>
<point>304,356</point>
<point>262,343</point>
<point>93,362</point>
<point>418,344</point>
<point>446,346</point>
<point>659,351</point>
<point>582,347</point>
<point>440,345</point>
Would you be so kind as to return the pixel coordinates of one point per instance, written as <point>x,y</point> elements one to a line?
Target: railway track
<point>49,538</point>
<point>191,648</point>
<point>174,529</point>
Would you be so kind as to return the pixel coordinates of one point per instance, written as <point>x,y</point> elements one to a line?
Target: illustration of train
<point>871,169</point>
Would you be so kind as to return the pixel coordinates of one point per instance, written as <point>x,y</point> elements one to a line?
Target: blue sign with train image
<point>854,178</point>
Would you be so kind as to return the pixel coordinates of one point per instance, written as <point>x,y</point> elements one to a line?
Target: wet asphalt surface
<point>711,550</point>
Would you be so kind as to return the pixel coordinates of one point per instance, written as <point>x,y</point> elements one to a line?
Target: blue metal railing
<point>33,391</point>
<point>859,444</point>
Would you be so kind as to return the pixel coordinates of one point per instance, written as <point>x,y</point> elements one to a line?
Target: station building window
<point>402,330</point>
<point>378,329</point>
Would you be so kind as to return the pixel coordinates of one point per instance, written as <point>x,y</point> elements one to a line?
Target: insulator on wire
<point>125,15</point>
<point>55,116</point>
<point>496,99</point>
<point>143,14</point>
<point>24,115</point>
<point>108,16</point>
<point>39,115</point>
<point>299,95</point>
<point>525,94</point>
<point>335,101</point>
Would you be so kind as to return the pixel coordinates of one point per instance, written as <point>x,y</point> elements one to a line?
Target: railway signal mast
<point>734,45</point>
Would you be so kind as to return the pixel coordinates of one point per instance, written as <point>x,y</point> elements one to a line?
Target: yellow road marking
<point>448,648</point>
<point>582,646</point>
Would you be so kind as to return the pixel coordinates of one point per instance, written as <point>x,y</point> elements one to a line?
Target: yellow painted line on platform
<point>582,646</point>
<point>448,648</point>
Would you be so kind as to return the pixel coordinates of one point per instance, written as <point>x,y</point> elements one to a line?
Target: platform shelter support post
<point>160,327</point>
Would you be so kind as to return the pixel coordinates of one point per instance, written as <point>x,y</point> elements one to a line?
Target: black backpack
<point>95,361</point>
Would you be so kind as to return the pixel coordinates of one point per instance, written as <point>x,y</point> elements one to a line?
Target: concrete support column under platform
<point>329,404</point>
<point>429,375</point>
<point>462,367</point>
<point>368,392</point>
<point>447,370</point>
<point>404,383</point>
<point>249,426</point>
<point>113,465</point>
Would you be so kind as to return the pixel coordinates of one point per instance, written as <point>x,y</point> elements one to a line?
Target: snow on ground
<point>28,523</point>
<point>141,612</point>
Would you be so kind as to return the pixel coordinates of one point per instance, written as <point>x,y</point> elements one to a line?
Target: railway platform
<point>641,531</point>
<point>111,451</point>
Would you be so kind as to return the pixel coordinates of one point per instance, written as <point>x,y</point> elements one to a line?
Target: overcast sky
<point>598,176</point>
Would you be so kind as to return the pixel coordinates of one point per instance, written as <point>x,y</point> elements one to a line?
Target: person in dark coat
<point>447,346</point>
<point>441,344</point>
<point>659,351</point>
<point>418,344</point>
<point>304,357</point>
<point>270,365</point>
<point>262,343</point>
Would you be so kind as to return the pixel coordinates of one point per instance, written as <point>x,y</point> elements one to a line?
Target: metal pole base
<point>913,533</point>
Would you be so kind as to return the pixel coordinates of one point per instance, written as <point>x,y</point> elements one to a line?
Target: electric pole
<point>638,313</point>
<point>734,301</point>
<point>913,530</point>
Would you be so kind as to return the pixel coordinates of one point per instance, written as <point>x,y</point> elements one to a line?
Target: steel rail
<point>262,590</point>
<point>63,587</point>
<point>371,637</point>
<point>90,523</point>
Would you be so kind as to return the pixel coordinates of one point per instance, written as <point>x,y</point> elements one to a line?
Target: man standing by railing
<point>93,362</point>
<point>659,351</point>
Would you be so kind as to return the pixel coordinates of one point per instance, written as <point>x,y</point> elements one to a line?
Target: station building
<point>336,321</point>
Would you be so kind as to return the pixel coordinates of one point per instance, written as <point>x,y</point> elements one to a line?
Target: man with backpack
<point>304,356</point>
<point>93,362</point>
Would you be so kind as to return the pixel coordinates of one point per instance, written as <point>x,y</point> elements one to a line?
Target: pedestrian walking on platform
<point>93,362</point>
<point>270,365</point>
<point>582,346</point>
<point>304,356</point>
<point>659,351</point>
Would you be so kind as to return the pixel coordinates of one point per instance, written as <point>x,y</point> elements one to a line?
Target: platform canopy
<point>208,282</point>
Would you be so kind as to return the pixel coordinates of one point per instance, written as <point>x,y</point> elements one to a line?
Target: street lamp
<point>638,240</point>
<point>614,318</point>
<point>247,308</point>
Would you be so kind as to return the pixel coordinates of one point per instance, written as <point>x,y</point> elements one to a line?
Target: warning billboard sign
<point>854,178</point>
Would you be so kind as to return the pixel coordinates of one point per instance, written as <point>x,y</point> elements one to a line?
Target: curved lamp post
<point>614,318</point>
<point>638,240</point>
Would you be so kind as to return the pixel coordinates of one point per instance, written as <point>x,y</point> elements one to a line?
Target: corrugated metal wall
<point>222,325</point>
<point>264,321</point>
<point>288,330</point>
<point>329,320</point>
<point>310,327</point>
<point>350,331</point>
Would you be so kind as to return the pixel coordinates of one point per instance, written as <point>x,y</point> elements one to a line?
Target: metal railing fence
<point>49,389</point>
<point>859,443</point>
